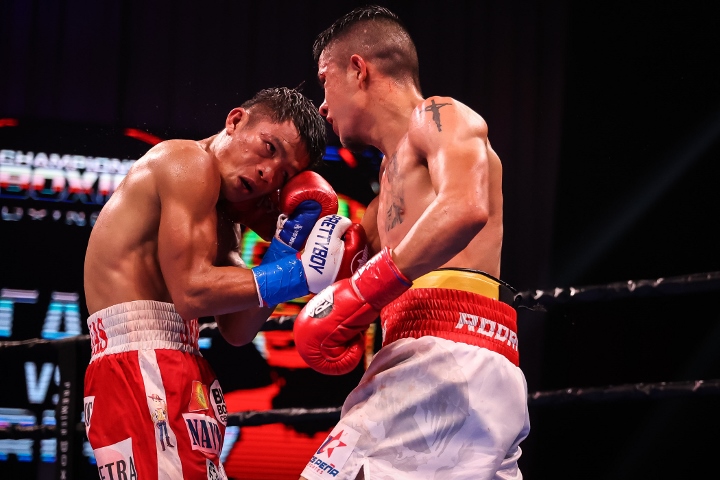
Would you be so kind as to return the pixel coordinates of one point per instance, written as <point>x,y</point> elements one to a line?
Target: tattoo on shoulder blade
<point>435,109</point>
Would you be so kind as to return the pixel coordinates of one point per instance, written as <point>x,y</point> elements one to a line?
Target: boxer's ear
<point>359,67</point>
<point>236,116</point>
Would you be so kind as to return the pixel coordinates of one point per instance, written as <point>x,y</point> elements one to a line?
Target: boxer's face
<point>260,156</point>
<point>341,106</point>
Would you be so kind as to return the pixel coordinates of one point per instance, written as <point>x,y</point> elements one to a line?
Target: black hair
<point>281,104</point>
<point>383,38</point>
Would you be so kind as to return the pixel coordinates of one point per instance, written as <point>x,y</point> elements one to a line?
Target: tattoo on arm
<point>395,213</point>
<point>435,109</point>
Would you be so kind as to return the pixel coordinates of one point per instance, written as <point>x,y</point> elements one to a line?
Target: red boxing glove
<point>329,330</point>
<point>258,214</point>
<point>356,251</point>
<point>303,200</point>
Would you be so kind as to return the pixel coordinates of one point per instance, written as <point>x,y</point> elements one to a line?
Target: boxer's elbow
<point>192,303</point>
<point>231,335</point>
<point>188,309</point>
<point>241,328</point>
<point>463,214</point>
<point>475,218</point>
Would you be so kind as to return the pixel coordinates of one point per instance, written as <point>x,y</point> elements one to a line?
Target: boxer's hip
<point>459,305</point>
<point>141,325</point>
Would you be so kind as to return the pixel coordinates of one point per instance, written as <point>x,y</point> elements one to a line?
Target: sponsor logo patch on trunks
<point>89,403</point>
<point>116,461</point>
<point>330,458</point>
<point>215,472</point>
<point>204,433</point>
<point>198,397</point>
<point>217,399</point>
<point>488,328</point>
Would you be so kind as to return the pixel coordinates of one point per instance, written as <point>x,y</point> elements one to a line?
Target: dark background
<point>606,116</point>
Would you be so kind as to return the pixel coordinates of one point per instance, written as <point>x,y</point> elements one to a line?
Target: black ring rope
<point>254,418</point>
<point>682,284</point>
<point>694,283</point>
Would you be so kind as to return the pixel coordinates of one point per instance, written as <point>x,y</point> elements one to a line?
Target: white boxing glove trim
<point>282,218</point>
<point>324,251</point>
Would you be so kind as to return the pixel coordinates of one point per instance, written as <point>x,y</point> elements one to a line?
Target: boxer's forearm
<point>440,234</point>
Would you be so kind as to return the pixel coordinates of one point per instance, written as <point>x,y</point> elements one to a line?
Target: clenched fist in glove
<point>330,329</point>
<point>334,248</point>
<point>303,200</point>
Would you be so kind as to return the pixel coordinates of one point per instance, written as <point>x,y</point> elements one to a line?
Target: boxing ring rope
<point>531,299</point>
<point>682,284</point>
<point>255,418</point>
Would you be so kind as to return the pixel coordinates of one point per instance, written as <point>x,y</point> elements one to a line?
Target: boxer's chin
<point>354,145</point>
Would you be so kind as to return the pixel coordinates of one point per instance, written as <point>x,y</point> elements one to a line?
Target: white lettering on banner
<point>37,386</point>
<point>65,162</point>
<point>63,305</point>
<point>56,178</point>
<point>12,215</point>
<point>8,298</point>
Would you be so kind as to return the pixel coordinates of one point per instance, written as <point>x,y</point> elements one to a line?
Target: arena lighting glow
<point>348,157</point>
<point>142,136</point>
<point>9,122</point>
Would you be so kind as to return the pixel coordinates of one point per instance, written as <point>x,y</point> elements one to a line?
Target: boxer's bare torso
<point>122,255</point>
<point>448,160</point>
<point>170,232</point>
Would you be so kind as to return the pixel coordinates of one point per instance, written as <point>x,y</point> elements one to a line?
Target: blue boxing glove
<point>335,249</point>
<point>306,198</point>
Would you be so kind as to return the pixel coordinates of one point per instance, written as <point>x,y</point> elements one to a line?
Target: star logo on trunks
<point>326,444</point>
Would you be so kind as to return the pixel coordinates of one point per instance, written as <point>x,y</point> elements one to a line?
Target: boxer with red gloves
<point>444,397</point>
<point>329,331</point>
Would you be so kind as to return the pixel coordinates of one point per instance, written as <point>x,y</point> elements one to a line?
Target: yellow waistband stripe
<point>474,282</point>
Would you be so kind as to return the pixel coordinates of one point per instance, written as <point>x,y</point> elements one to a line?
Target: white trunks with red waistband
<point>432,405</point>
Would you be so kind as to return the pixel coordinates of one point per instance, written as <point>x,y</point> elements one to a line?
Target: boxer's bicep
<point>455,149</point>
<point>187,237</point>
<point>369,223</point>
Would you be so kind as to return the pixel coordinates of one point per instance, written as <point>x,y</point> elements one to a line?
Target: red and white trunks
<point>153,406</point>
<point>444,398</point>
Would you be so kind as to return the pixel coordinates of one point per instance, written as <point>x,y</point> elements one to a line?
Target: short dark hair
<point>281,104</point>
<point>383,38</point>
